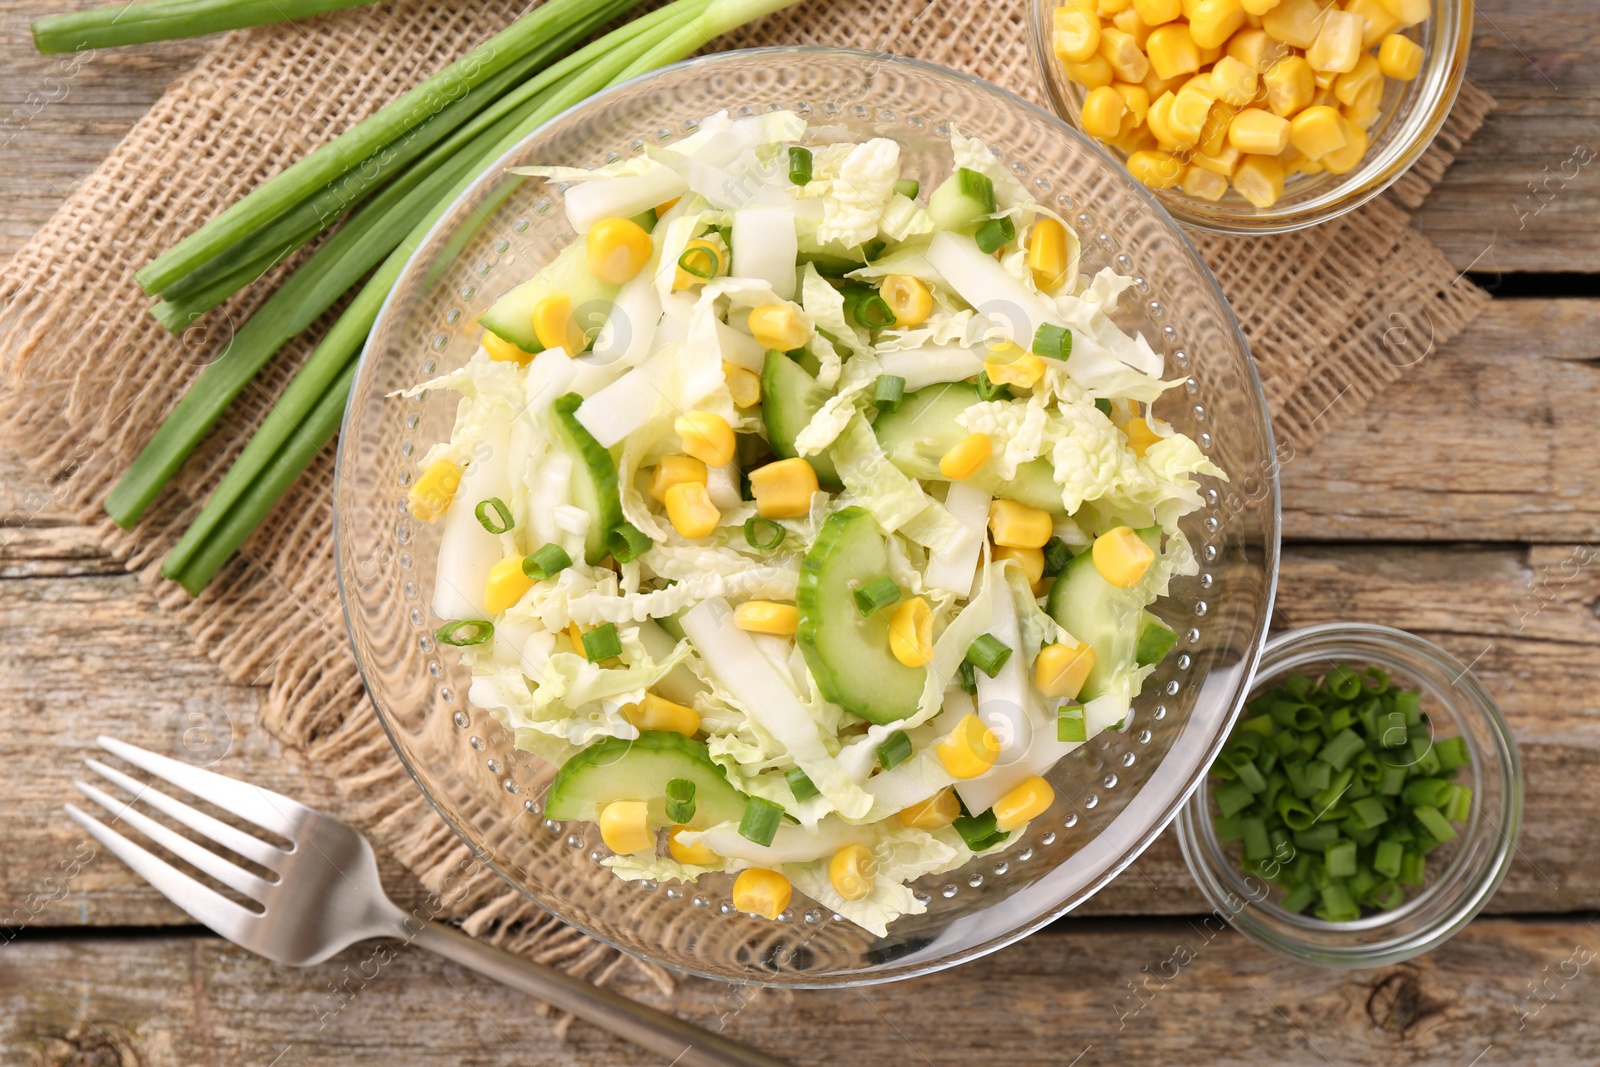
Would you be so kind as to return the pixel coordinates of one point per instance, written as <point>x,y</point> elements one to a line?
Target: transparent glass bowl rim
<point>1250,656</point>
<point>1376,173</point>
<point>1218,878</point>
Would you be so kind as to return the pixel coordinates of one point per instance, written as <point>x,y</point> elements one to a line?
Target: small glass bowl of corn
<point>1256,116</point>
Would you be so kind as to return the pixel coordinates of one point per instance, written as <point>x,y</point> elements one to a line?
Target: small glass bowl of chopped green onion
<point>1366,804</point>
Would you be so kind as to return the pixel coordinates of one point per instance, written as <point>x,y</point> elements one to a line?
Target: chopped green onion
<point>1433,821</point>
<point>1298,898</point>
<point>1337,905</point>
<point>988,653</point>
<point>874,248</point>
<point>1386,859</point>
<point>995,234</point>
<point>762,533</point>
<point>877,594</point>
<point>760,821</point>
<point>680,800</point>
<point>800,784</point>
<point>969,677</point>
<point>1343,682</point>
<point>499,521</point>
<point>1103,406</point>
<point>1056,556</point>
<point>799,165</point>
<point>1459,806</point>
<point>1369,812</point>
<point>601,643</point>
<point>1452,753</point>
<point>979,831</point>
<point>1257,845</point>
<point>1341,749</point>
<point>549,561</point>
<point>1070,724</point>
<point>874,312</point>
<point>895,750</point>
<point>626,542</point>
<point>887,392</point>
<point>908,188</point>
<point>464,633</point>
<point>1233,798</point>
<point>1055,342</point>
<point>987,390</point>
<point>702,262</point>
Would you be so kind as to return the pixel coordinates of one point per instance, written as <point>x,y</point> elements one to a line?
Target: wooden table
<point>1461,505</point>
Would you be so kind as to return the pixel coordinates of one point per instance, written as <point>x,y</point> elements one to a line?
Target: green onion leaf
<point>877,594</point>
<point>1103,406</point>
<point>887,392</point>
<point>702,262</point>
<point>995,234</point>
<point>1070,725</point>
<point>549,561</point>
<point>1055,342</point>
<point>988,653</point>
<point>800,784</point>
<point>626,542</point>
<point>601,643</point>
<point>895,750</point>
<point>762,533</point>
<point>969,677</point>
<point>760,821</point>
<point>874,312</point>
<point>680,800</point>
<point>979,831</point>
<point>1056,556</point>
<point>799,165</point>
<point>494,516</point>
<point>987,390</point>
<point>464,633</point>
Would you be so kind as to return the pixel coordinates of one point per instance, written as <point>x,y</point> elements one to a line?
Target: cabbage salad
<point>805,512</point>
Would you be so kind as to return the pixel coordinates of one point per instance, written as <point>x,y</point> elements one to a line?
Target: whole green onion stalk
<point>167,20</point>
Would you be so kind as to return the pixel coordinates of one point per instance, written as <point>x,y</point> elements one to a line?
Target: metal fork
<point>325,895</point>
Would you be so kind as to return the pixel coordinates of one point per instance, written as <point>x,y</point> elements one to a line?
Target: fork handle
<point>680,1042</point>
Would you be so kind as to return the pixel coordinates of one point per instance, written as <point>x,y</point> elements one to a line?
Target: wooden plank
<point>1170,991</point>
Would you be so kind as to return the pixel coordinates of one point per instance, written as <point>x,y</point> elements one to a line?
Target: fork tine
<point>268,810</point>
<point>251,848</point>
<point>231,920</point>
<point>223,870</point>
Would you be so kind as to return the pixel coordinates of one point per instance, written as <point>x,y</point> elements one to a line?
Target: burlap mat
<point>88,374</point>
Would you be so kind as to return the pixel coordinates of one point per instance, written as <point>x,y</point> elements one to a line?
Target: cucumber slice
<point>925,428</point>
<point>512,315</point>
<point>1156,639</point>
<point>848,652</point>
<point>1096,612</point>
<point>594,477</point>
<point>962,201</point>
<point>618,769</point>
<point>789,398</point>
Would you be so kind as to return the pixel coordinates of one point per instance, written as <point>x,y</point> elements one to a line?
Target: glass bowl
<point>1412,113</point>
<point>1463,874</point>
<point>1114,795</point>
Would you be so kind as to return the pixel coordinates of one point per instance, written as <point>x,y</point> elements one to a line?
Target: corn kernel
<point>1256,49</point>
<point>1158,170</point>
<point>1290,85</point>
<point>1027,801</point>
<point>1343,160</point>
<point>1350,85</point>
<point>1259,179</point>
<point>767,617</point>
<point>1103,112</point>
<point>1173,51</point>
<point>661,714</point>
<point>908,298</point>
<point>1091,73</point>
<point>1139,139</point>
<point>1121,51</point>
<point>505,585</point>
<point>1257,7</point>
<point>1031,560</point>
<point>1366,111</point>
<point>850,871</point>
<point>708,253</point>
<point>783,490</point>
<point>666,206</point>
<point>1131,24</point>
<point>1160,122</point>
<point>1141,435</point>
<point>1234,83</point>
<point>691,511</point>
<point>1018,525</point>
<point>1316,131</point>
<point>1295,22</point>
<point>1007,364</point>
<point>1338,43</point>
<point>1400,57</point>
<point>941,809</point>
<point>674,470</point>
<point>555,325</point>
<point>779,326</point>
<point>1121,556</point>
<point>1157,12</point>
<point>743,385</point>
<point>966,457</point>
<point>1107,8</point>
<point>1155,85</point>
<point>707,437</point>
<point>430,495</point>
<point>575,634</point>
<point>1376,21</point>
<point>1047,253</point>
<point>1212,22</point>
<point>761,892</point>
<point>1204,184</point>
<point>502,351</point>
<point>1210,55</point>
<point>698,854</point>
<point>1189,111</point>
<point>1259,132</point>
<point>1409,12</point>
<point>617,249</point>
<point>1214,134</point>
<point>969,749</point>
<point>911,632</point>
<point>1076,36</point>
<point>1137,100</point>
<point>625,827</point>
<point>1223,162</point>
<point>1060,670</point>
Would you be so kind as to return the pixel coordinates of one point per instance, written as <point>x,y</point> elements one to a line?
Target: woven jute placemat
<point>88,375</point>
